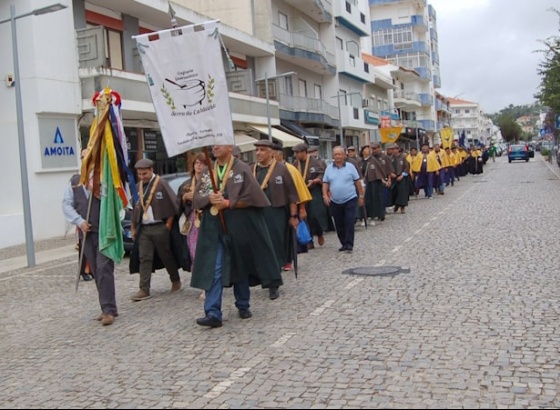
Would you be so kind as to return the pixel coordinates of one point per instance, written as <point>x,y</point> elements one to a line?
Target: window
<point>288,85</point>
<point>363,18</point>
<point>302,88</point>
<point>339,44</point>
<point>113,49</point>
<point>283,20</point>
<point>366,67</point>
<point>348,7</point>
<point>467,111</point>
<point>318,92</point>
<point>352,60</point>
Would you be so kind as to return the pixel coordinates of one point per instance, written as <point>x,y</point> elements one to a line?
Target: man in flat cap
<point>312,170</point>
<point>152,221</point>
<point>282,216</point>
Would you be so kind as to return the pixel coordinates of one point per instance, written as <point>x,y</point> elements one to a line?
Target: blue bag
<point>303,235</point>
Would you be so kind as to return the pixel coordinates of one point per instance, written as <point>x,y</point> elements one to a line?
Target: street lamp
<point>337,96</point>
<point>29,245</point>
<point>266,78</point>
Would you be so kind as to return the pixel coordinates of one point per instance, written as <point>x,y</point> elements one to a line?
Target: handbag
<point>302,234</point>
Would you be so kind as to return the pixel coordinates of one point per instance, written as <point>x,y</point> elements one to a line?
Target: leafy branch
<point>210,89</point>
<point>168,98</point>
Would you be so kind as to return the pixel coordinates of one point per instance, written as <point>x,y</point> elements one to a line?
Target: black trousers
<point>344,216</point>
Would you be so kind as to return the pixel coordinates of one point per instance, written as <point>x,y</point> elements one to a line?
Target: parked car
<point>531,151</point>
<point>518,152</point>
<point>127,234</point>
<point>175,181</point>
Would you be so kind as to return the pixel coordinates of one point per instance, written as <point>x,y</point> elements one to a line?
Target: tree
<point>511,131</point>
<point>549,71</point>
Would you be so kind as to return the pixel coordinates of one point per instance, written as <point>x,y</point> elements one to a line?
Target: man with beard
<point>234,247</point>
<point>312,172</point>
<point>282,216</point>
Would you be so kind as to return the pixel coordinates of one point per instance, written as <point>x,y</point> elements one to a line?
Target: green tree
<point>511,131</point>
<point>549,71</point>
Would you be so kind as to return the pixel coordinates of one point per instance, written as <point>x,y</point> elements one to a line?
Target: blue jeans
<point>213,301</point>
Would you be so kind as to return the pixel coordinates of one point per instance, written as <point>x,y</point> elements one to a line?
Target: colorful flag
<point>185,74</point>
<point>105,172</point>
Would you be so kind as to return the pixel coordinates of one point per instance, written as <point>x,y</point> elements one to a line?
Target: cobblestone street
<point>470,322</point>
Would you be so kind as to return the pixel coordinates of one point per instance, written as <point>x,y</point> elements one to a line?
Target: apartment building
<point>468,117</point>
<point>404,32</point>
<point>294,69</point>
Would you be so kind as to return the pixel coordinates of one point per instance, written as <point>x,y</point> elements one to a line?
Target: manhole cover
<point>376,271</point>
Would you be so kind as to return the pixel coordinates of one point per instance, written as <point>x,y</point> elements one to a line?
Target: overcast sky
<point>486,49</point>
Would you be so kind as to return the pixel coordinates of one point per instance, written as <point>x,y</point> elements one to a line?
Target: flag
<point>105,171</point>
<point>462,140</point>
<point>390,134</point>
<point>446,137</point>
<point>185,74</point>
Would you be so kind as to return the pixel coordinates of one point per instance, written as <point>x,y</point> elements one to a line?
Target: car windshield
<point>518,147</point>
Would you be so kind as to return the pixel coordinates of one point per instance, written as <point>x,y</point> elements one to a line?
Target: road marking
<point>396,248</point>
<point>408,239</point>
<point>381,262</point>
<point>353,283</point>
<point>283,339</point>
<point>221,387</point>
<point>427,224</point>
<point>321,309</point>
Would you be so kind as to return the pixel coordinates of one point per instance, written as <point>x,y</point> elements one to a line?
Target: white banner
<point>186,77</point>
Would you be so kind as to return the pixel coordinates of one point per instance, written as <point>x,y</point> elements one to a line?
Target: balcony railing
<point>303,42</point>
<point>305,104</point>
<point>406,95</point>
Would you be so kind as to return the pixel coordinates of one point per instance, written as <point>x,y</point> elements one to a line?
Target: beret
<point>144,163</point>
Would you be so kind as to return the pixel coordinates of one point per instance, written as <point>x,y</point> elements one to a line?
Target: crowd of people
<point>234,224</point>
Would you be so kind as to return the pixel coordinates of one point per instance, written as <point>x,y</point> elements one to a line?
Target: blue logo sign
<point>557,121</point>
<point>58,150</point>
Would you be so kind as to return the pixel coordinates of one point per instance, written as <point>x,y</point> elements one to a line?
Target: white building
<point>308,51</point>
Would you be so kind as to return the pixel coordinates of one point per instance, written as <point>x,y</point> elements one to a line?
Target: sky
<point>487,49</point>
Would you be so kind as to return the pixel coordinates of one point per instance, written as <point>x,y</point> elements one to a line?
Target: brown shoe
<point>98,318</point>
<point>140,295</point>
<point>107,320</point>
<point>175,286</point>
<point>321,240</point>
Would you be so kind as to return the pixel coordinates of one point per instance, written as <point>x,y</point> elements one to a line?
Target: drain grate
<point>377,271</point>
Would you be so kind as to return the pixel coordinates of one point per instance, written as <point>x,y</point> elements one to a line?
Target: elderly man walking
<point>342,192</point>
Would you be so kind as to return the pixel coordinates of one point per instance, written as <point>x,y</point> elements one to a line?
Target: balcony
<point>419,23</point>
<point>353,66</point>
<point>426,100</point>
<point>319,10</point>
<point>308,110</point>
<point>417,3</point>
<point>358,118</point>
<point>349,15</point>
<point>406,100</point>
<point>304,51</point>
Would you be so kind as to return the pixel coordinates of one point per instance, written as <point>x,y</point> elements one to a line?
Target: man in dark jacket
<point>152,221</point>
<point>234,246</point>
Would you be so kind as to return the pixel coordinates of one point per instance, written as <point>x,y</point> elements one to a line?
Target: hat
<point>351,148</point>
<point>300,147</point>
<point>264,143</point>
<point>277,147</point>
<point>144,163</point>
<point>376,145</point>
<point>313,148</point>
<point>236,150</point>
<point>391,146</point>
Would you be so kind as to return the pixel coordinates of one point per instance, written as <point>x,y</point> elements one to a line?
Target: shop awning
<point>301,132</point>
<point>244,141</point>
<point>286,139</point>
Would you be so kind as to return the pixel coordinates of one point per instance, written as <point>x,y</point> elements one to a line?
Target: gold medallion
<point>146,217</point>
<point>197,222</point>
<point>214,211</point>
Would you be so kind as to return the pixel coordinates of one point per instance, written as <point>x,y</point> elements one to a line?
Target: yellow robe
<point>433,164</point>
<point>301,187</point>
<point>444,158</point>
